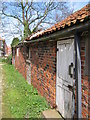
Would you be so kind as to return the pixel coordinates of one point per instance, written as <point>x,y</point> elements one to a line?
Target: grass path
<point>1,77</point>
<point>20,99</point>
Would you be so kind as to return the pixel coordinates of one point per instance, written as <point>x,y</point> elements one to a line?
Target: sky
<point>11,31</point>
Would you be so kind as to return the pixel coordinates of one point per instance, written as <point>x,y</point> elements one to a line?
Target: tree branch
<point>39,23</point>
<point>37,18</point>
<point>12,16</point>
<point>23,11</point>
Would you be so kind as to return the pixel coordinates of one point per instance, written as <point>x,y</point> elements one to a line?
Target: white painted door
<point>65,78</point>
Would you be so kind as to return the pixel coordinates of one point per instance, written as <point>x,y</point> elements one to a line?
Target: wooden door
<point>65,78</point>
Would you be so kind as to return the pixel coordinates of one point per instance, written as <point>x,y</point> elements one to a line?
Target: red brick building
<point>2,47</point>
<point>56,62</point>
<point>8,50</point>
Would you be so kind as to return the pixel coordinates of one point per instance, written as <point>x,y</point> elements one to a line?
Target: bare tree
<point>33,15</point>
<point>62,11</point>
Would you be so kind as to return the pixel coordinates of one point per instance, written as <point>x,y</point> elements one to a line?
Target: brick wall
<point>84,77</point>
<point>43,69</point>
<point>20,60</point>
<point>89,75</point>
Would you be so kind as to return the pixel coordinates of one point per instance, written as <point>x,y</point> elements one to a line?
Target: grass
<point>20,99</point>
<point>0,59</point>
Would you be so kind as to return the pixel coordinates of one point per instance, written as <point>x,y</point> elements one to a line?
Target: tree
<point>15,42</point>
<point>34,15</point>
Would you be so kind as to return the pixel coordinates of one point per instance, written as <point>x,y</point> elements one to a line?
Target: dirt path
<point>1,77</point>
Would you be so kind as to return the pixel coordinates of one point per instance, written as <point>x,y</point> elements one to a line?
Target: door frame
<point>78,76</point>
<point>77,49</point>
<point>68,40</point>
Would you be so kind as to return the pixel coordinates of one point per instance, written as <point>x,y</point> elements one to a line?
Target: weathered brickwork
<point>20,60</point>
<point>84,78</point>
<point>43,69</point>
<point>89,74</point>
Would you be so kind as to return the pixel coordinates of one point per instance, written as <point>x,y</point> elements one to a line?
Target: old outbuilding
<point>56,62</point>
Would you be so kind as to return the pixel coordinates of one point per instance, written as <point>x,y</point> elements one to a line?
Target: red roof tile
<point>78,16</point>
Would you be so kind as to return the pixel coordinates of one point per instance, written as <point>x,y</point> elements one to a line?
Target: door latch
<point>71,70</point>
<point>57,49</point>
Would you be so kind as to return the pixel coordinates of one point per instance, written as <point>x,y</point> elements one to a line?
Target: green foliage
<point>14,42</point>
<point>1,59</point>
<point>4,60</point>
<point>7,60</point>
<point>21,100</point>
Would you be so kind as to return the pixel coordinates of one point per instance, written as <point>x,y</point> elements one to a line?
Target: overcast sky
<point>10,30</point>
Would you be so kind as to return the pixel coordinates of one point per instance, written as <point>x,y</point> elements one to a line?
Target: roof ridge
<point>78,16</point>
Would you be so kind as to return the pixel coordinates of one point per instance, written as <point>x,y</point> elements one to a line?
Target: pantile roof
<point>79,16</point>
